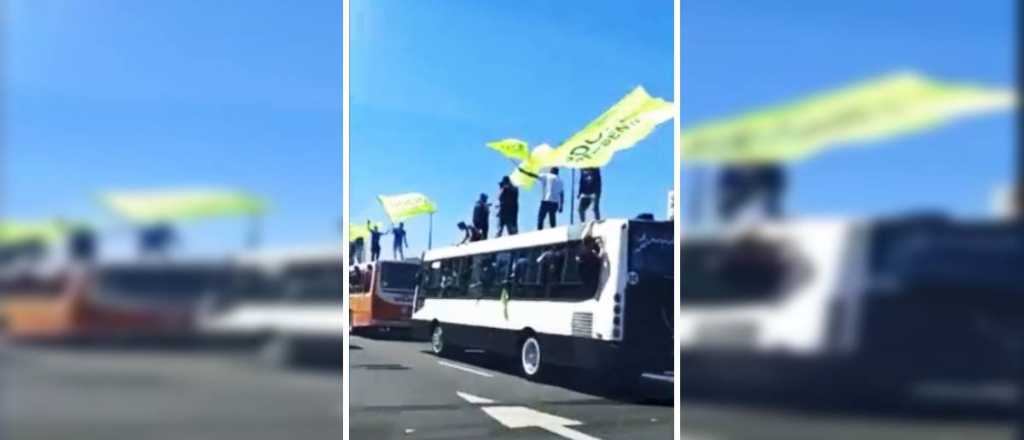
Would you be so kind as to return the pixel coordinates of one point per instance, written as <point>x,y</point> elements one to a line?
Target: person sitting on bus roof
<point>471,233</point>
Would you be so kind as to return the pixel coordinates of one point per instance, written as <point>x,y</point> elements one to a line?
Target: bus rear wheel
<point>530,357</point>
<point>438,342</point>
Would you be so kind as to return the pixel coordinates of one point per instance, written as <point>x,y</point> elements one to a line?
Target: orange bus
<point>112,302</point>
<point>380,294</point>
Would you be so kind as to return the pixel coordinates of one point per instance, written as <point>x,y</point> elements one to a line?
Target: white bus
<point>541,299</point>
<point>907,306</point>
<point>288,299</point>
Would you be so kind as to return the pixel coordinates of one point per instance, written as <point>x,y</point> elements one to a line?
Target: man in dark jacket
<point>590,192</point>
<point>508,207</point>
<point>481,215</point>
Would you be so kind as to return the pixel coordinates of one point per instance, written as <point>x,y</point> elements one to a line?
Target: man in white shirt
<point>552,197</point>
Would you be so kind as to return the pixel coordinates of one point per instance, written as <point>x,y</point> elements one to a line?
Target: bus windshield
<point>162,283</point>
<point>398,276</point>
<point>719,272</point>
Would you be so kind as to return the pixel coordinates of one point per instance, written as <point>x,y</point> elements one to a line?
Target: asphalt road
<point>401,391</point>
<point>106,394</point>
<point>717,418</point>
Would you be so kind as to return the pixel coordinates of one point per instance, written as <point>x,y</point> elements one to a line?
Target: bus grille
<point>582,324</point>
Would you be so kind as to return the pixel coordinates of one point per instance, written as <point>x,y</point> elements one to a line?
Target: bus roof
<point>282,256</point>
<point>555,235</point>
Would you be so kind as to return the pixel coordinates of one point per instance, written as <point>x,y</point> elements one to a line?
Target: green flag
<point>620,127</point>
<point>504,302</point>
<point>400,207</point>
<point>511,148</point>
<point>881,108</point>
<point>175,205</point>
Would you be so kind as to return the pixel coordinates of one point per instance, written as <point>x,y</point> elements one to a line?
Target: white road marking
<point>464,368</point>
<point>518,417</point>
<point>476,400</point>
<point>691,436</point>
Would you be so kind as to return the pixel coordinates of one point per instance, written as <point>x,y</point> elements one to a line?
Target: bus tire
<point>531,361</point>
<point>279,352</point>
<point>438,341</point>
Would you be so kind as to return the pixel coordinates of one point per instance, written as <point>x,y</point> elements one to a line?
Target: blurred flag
<point>511,148</point>
<point>522,176</point>
<point>882,108</point>
<point>172,205</point>
<point>620,127</point>
<point>403,206</point>
<point>13,232</point>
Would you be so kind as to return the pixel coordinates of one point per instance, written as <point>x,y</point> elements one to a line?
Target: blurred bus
<point>539,300</point>
<point>287,300</point>
<point>108,302</point>
<point>920,307</point>
<point>381,294</point>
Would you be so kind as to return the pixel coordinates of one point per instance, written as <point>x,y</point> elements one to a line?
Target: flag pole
<point>572,198</point>
<point>430,233</point>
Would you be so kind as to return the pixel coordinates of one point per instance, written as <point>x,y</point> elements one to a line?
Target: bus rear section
<point>381,295</point>
<point>649,313</point>
<point>917,307</point>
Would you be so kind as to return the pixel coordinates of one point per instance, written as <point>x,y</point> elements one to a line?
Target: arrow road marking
<point>518,417</point>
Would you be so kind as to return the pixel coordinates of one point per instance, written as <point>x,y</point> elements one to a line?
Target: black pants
<point>509,222</point>
<point>549,209</point>
<point>374,253</point>
<point>482,227</point>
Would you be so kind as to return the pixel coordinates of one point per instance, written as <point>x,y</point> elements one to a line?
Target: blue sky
<point>431,85</point>
<point>126,94</point>
<point>739,55</point>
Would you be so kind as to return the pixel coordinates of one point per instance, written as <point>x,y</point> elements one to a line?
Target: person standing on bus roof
<point>590,192</point>
<point>552,197</point>
<point>508,207</point>
<point>481,215</point>
<point>374,241</point>
<point>400,243</point>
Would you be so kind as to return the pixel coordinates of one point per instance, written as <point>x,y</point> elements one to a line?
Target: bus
<point>286,300</point>
<point>381,294</point>
<point>592,296</point>
<point>917,307</point>
<point>108,302</point>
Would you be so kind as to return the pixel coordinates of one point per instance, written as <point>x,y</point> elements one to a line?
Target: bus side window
<point>484,278</point>
<point>502,271</point>
<point>431,280</point>
<point>456,277</point>
<point>527,274</point>
<point>570,286</point>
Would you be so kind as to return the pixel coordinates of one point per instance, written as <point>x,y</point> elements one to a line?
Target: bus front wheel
<point>530,357</point>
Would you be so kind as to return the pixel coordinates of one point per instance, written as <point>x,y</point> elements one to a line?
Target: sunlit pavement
<point>174,394</point>
<point>401,391</point>
<point>735,421</point>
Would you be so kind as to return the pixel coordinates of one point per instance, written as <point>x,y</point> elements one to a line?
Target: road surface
<point>720,419</point>
<point>106,394</point>
<point>401,391</point>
